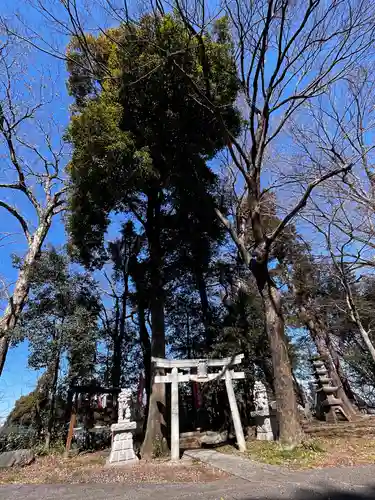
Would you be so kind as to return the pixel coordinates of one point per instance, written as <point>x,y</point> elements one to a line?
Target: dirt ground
<point>90,468</point>
<point>315,453</point>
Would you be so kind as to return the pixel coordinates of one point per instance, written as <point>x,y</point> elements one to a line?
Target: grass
<point>314,453</point>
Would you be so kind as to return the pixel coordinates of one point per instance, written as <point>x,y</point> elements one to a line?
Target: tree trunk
<point>206,312</point>
<point>299,392</point>
<point>336,360</point>
<point>156,428</point>
<point>116,362</point>
<point>116,337</point>
<point>319,338</point>
<point>51,413</point>
<point>355,317</point>
<point>367,341</point>
<point>120,333</point>
<point>146,351</point>
<point>21,289</point>
<point>4,347</point>
<point>290,431</point>
<point>264,361</point>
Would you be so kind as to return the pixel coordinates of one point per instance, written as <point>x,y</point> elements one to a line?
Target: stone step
<point>327,389</point>
<point>358,428</point>
<point>344,433</point>
<point>359,422</point>
<point>318,364</point>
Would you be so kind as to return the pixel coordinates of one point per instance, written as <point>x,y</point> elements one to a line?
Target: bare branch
<point>303,201</point>
<point>13,211</point>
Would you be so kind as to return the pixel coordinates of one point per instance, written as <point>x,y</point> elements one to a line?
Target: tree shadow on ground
<point>367,493</point>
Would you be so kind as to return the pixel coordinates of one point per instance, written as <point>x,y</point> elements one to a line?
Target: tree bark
<point>354,314</point>
<point>51,414</point>
<point>156,427</point>
<point>22,286</point>
<point>290,432</point>
<point>120,331</point>
<point>299,391</point>
<point>146,351</point>
<point>206,312</point>
<point>119,338</point>
<point>336,360</point>
<point>319,337</point>
<point>116,360</point>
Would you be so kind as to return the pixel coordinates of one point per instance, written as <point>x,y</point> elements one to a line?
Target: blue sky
<point>37,66</point>
<point>33,67</point>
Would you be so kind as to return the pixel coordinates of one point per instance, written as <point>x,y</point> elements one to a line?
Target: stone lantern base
<point>122,451</point>
<point>264,431</point>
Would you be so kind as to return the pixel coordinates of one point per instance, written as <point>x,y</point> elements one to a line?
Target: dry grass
<point>91,468</point>
<point>317,453</point>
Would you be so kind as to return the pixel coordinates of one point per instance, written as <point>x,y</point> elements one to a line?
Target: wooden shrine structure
<point>73,392</point>
<point>202,375</point>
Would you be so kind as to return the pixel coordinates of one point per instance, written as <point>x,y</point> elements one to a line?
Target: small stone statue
<point>124,401</point>
<point>122,451</point>
<point>261,398</point>
<point>262,413</point>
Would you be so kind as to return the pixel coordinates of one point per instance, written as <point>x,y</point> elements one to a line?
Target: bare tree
<point>343,214</point>
<point>31,189</point>
<point>288,53</point>
<point>346,258</point>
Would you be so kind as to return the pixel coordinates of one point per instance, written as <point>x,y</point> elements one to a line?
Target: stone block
<point>127,444</point>
<point>125,455</point>
<point>211,438</point>
<point>125,436</point>
<point>117,446</point>
<point>123,426</point>
<point>16,458</point>
<point>122,452</point>
<point>113,457</point>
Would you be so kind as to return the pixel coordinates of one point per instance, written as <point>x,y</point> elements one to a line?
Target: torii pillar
<point>202,376</point>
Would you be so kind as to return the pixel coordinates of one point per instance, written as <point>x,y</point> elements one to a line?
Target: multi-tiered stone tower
<point>327,403</point>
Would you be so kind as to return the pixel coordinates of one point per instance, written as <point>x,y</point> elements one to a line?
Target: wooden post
<point>72,423</point>
<point>175,427</point>
<point>234,409</point>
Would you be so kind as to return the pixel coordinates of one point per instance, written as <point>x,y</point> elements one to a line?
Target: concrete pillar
<point>175,427</point>
<point>235,413</point>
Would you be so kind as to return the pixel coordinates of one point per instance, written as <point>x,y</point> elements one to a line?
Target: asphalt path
<point>248,481</point>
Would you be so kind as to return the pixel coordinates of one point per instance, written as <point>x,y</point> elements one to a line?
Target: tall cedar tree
<point>141,143</point>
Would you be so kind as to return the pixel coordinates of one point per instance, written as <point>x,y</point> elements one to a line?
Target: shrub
<point>17,438</point>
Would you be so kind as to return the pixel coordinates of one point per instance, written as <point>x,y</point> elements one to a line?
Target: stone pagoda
<point>327,403</point>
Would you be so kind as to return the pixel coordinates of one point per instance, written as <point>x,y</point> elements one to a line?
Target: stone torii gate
<point>202,376</point>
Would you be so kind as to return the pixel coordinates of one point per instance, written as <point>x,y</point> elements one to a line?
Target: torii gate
<point>226,373</point>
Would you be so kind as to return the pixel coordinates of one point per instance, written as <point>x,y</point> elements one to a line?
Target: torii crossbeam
<point>202,376</point>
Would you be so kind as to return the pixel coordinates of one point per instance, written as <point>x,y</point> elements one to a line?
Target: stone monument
<point>262,413</point>
<point>122,451</point>
<point>328,405</point>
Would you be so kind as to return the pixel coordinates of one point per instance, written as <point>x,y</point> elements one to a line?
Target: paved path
<point>252,481</point>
